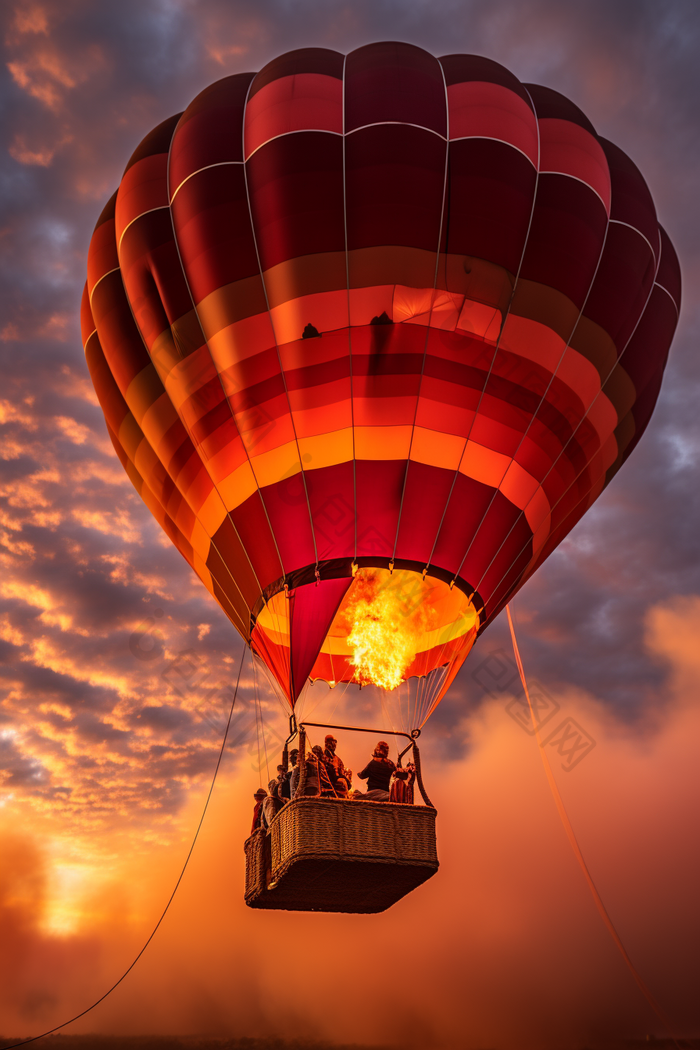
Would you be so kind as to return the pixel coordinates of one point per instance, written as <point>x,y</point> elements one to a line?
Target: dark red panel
<point>304,60</point>
<point>156,141</point>
<point>566,238</point>
<point>424,501</point>
<point>291,525</point>
<point>153,274</point>
<point>507,567</point>
<point>252,526</point>
<point>210,214</point>
<point>622,284</point>
<point>120,338</point>
<point>230,548</point>
<point>379,487</point>
<point>395,178</point>
<point>332,499</point>
<point>394,82</point>
<point>312,610</point>
<point>550,104</point>
<point>627,268</point>
<point>491,187</point>
<point>648,347</point>
<point>108,211</point>
<point>460,69</point>
<point>295,185</point>
<point>210,129</point>
<point>632,202</point>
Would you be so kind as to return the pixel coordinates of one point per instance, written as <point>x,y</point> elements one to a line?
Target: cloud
<point>42,155</point>
<point>13,413</point>
<point>31,19</point>
<point>503,947</point>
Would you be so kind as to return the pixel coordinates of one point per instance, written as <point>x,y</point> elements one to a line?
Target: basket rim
<point>314,800</point>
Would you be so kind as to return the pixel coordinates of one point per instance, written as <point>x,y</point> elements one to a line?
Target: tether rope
<point>573,842</point>
<point>87,1010</point>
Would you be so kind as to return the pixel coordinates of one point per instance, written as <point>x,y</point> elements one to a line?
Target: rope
<point>33,1039</point>
<point>573,842</point>
<point>419,776</point>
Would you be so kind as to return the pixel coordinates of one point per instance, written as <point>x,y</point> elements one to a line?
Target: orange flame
<point>388,622</point>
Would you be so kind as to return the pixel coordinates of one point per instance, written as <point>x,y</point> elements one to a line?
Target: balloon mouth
<point>347,568</point>
<point>378,626</point>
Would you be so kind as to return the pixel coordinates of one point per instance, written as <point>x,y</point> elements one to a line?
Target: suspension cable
<point>88,1009</point>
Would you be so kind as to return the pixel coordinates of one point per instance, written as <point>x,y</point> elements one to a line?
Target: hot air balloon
<point>371,332</point>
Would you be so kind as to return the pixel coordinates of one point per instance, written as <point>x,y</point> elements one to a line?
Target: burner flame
<point>388,623</point>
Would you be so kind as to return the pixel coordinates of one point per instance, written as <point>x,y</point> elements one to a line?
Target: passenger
<point>283,784</point>
<point>402,785</point>
<point>259,796</point>
<point>341,777</point>
<point>312,784</point>
<point>377,773</point>
<point>272,804</point>
<point>324,776</point>
<point>293,774</point>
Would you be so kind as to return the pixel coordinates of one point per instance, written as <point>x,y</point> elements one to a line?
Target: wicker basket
<point>257,863</point>
<point>330,854</point>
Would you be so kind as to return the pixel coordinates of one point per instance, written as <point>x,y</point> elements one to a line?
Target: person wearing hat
<point>283,783</point>
<point>402,785</point>
<point>259,796</point>
<point>325,782</point>
<point>312,786</point>
<point>293,773</point>
<point>378,773</point>
<point>339,775</point>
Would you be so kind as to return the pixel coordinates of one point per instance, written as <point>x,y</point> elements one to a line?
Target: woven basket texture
<point>257,862</point>
<point>341,855</point>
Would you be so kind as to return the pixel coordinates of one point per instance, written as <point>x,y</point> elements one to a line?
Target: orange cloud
<point>74,431</point>
<point>58,325</point>
<point>31,19</point>
<point>17,413</point>
<point>41,156</point>
<point>111,523</point>
<point>503,947</point>
<point>124,572</point>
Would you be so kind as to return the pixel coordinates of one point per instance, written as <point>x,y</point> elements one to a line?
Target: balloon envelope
<point>371,333</point>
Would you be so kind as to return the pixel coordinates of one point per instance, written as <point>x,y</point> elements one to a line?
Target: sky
<point>116,666</point>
